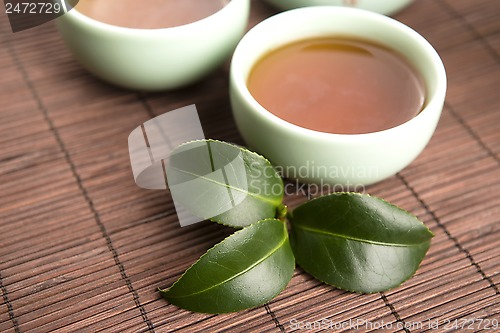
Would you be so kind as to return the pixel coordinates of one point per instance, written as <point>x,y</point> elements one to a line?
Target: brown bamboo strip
<point>479,15</point>
<point>494,42</point>
<point>86,312</point>
<point>465,92</point>
<point>435,24</point>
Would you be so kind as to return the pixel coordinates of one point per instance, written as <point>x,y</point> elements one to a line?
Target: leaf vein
<point>331,234</point>
<point>274,250</point>
<point>273,202</point>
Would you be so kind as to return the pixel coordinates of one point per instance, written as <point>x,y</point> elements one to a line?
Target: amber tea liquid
<point>338,85</point>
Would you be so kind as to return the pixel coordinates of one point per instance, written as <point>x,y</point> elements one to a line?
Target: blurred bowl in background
<point>155,59</point>
<point>386,7</point>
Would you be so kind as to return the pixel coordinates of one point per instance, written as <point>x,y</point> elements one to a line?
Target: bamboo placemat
<point>82,248</point>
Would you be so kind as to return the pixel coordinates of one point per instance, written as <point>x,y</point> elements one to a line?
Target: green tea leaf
<point>358,242</point>
<point>245,270</point>
<point>224,183</point>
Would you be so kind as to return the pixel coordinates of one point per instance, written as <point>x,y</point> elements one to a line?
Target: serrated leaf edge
<point>164,291</point>
<point>290,217</point>
<point>276,203</point>
<point>371,292</point>
<point>229,144</point>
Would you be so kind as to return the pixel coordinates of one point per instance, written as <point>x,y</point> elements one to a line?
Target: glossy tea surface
<point>338,85</point>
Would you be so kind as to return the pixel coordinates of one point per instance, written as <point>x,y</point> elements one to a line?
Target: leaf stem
<point>281,212</point>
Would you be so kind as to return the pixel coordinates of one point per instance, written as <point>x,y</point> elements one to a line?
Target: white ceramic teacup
<point>325,158</point>
<point>155,59</point>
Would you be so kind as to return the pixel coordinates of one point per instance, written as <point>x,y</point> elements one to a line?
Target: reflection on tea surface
<point>338,85</point>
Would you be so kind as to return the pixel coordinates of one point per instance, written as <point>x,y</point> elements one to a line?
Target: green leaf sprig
<point>351,241</point>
